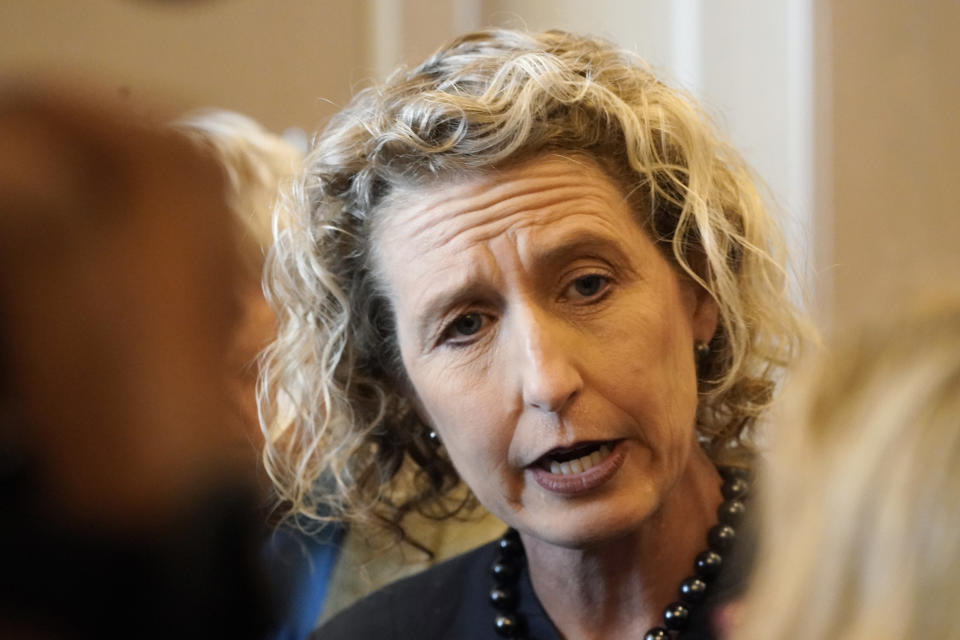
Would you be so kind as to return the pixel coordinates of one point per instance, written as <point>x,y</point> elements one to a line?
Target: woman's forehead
<point>521,226</point>
<point>538,193</point>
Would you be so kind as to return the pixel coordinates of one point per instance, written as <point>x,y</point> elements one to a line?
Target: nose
<point>550,378</point>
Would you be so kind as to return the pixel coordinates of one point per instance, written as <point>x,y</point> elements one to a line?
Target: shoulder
<point>431,604</point>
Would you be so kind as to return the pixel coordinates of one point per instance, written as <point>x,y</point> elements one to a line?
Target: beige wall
<point>895,114</point>
<point>278,66</point>
<point>886,214</point>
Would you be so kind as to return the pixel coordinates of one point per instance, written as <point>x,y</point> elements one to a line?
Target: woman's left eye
<point>588,286</point>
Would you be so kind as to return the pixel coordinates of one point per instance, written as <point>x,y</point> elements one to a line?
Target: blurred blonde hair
<point>861,537</point>
<point>355,447</point>
<point>258,164</point>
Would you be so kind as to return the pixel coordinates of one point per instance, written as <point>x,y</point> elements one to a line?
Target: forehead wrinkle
<point>531,209</point>
<point>561,241</point>
<point>458,275</point>
<point>478,271</point>
<point>462,227</point>
<point>497,196</point>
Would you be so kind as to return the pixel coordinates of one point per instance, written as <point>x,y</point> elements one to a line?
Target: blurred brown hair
<point>126,499</point>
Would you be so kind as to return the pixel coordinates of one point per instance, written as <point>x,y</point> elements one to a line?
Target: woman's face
<point>549,343</point>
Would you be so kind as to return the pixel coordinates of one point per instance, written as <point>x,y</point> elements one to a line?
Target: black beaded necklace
<point>510,557</point>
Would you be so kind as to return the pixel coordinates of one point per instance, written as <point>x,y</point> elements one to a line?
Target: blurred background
<point>847,110</point>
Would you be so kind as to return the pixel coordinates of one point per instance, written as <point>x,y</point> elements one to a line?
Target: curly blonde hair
<point>345,441</point>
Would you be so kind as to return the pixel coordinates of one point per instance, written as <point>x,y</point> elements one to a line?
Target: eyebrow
<point>551,258</point>
<point>586,242</point>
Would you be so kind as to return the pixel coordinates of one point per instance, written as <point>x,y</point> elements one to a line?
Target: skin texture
<point>533,312</point>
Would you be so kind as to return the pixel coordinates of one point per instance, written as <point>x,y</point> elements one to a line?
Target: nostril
<point>553,400</point>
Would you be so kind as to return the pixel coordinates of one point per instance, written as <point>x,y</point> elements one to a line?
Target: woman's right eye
<point>464,326</point>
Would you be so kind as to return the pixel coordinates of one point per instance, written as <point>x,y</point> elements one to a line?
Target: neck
<point>618,588</point>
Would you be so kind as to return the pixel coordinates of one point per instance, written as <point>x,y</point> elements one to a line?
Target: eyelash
<point>589,298</point>
<point>446,337</point>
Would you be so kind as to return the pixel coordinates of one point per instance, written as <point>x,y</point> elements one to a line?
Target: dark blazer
<point>450,600</point>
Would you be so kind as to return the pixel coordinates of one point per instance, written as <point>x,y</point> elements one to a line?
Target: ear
<point>706,313</point>
<point>704,310</point>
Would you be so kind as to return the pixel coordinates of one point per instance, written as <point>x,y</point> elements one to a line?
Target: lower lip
<point>579,483</point>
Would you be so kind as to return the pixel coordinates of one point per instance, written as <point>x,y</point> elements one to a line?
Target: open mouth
<point>565,462</point>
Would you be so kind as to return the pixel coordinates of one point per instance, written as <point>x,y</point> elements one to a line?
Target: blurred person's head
<point>125,488</point>
<point>861,499</point>
<point>257,164</point>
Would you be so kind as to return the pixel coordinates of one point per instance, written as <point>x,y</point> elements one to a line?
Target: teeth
<point>580,464</point>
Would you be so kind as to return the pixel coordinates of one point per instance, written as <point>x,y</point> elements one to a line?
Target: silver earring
<point>434,437</point>
<point>701,350</point>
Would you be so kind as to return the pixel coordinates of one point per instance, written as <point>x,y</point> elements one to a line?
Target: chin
<point>582,527</point>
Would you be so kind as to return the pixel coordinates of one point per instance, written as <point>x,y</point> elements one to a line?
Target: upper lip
<point>562,448</point>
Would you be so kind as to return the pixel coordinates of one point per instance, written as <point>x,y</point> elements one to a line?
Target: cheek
<point>650,373</point>
<point>645,340</point>
<point>467,416</point>
<point>473,421</point>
